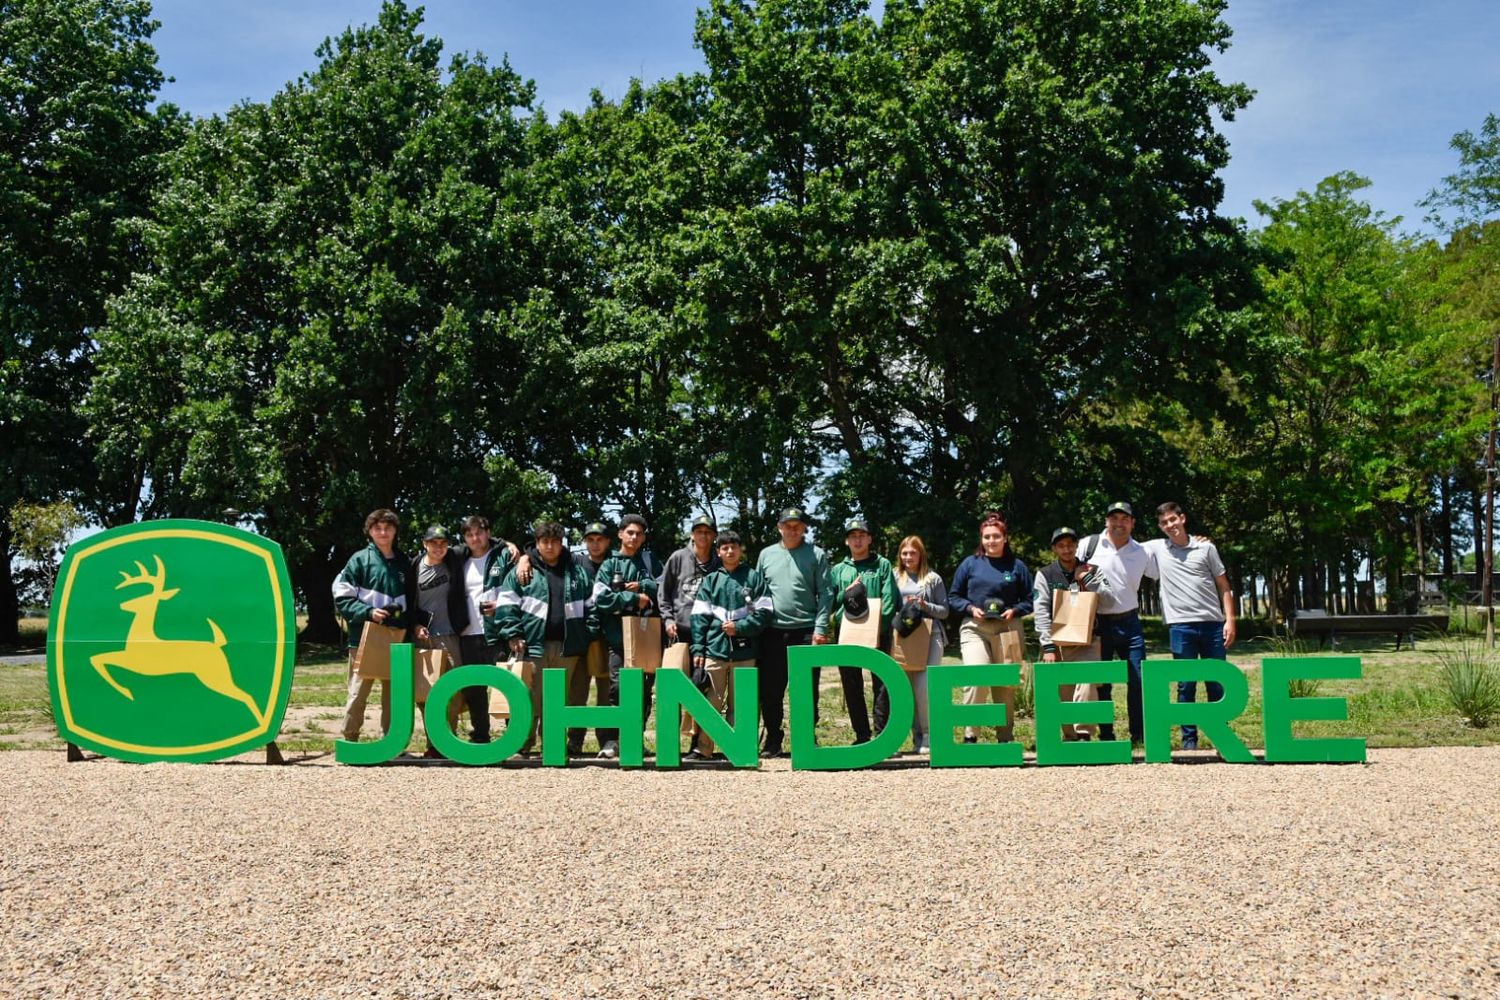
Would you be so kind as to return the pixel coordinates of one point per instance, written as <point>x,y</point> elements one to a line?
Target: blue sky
<point>1373,86</point>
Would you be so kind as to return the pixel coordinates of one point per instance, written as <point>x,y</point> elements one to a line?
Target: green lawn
<point>1397,703</point>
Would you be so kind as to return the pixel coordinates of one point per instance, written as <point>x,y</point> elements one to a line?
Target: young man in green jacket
<point>371,588</point>
<point>731,608</point>
<point>593,666</point>
<point>544,624</point>
<point>624,588</point>
<point>878,578</point>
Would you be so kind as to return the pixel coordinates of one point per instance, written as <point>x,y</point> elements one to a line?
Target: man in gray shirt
<point>1196,601</point>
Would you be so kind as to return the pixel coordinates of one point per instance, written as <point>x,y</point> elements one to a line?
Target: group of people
<point>485,600</point>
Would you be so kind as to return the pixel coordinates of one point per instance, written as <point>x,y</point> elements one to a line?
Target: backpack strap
<point>1090,545</point>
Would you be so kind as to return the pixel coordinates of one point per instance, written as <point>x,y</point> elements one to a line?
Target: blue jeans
<point>1122,639</point>
<point>1197,641</point>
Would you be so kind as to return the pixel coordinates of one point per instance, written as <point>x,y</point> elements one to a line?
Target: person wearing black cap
<point>1122,561</point>
<point>435,593</point>
<point>991,594</point>
<point>685,572</point>
<point>624,587</point>
<point>593,665</point>
<point>864,577</point>
<point>1066,574</point>
<point>802,594</point>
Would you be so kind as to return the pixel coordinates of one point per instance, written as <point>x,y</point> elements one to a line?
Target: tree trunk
<point>1445,498</point>
<point>314,578</point>
<point>10,606</point>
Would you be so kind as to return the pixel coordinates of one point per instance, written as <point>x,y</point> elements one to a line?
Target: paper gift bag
<point>372,660</point>
<point>526,671</point>
<point>642,642</point>
<point>911,651</point>
<point>427,666</point>
<point>1013,642</point>
<point>1073,617</point>
<point>864,631</point>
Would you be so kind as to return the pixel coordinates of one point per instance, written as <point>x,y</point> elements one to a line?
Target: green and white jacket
<point>368,581</point>
<point>880,581</point>
<point>612,605</point>
<point>521,612</point>
<point>721,598</point>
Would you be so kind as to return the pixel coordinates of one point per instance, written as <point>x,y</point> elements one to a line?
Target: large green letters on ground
<point>435,715</point>
<point>395,741</point>
<point>1052,713</point>
<point>945,716</point>
<point>806,754</point>
<point>558,717</point>
<point>1281,709</point>
<point>1213,718</point>
<point>676,692</point>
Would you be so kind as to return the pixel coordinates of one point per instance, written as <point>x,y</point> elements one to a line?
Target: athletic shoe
<point>610,752</point>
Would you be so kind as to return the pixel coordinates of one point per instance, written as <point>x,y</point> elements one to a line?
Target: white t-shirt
<point>1123,567</point>
<point>473,587</point>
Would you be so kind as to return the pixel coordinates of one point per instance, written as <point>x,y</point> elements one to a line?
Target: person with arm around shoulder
<point>991,595</point>
<point>625,587</point>
<point>922,591</point>
<point>1197,601</point>
<point>731,611</point>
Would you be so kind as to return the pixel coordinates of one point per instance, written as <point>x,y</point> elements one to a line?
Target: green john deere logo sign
<point>171,640</point>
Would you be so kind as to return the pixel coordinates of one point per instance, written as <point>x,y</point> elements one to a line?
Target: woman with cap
<point>922,596</point>
<point>991,595</point>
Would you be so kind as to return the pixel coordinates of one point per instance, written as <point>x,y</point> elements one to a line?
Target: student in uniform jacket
<point>625,587</point>
<point>879,583</point>
<point>547,622</point>
<point>371,588</point>
<point>732,608</point>
<point>991,594</point>
<point>593,665</point>
<point>479,554</point>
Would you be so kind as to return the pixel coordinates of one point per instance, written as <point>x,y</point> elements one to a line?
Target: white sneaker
<point>610,751</point>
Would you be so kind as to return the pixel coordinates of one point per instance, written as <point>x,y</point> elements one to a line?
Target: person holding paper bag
<point>858,582</point>
<point>545,624</point>
<point>1066,576</point>
<point>371,588</point>
<point>440,609</point>
<point>624,588</point>
<point>593,665</point>
<point>922,593</point>
<point>991,595</point>
<point>732,608</point>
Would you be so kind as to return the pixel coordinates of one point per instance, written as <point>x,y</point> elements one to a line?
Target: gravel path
<point>1191,880</point>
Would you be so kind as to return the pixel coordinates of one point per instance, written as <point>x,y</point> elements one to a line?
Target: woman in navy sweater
<point>990,595</point>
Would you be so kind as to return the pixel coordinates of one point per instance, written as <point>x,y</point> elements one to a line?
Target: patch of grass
<point>1471,681</point>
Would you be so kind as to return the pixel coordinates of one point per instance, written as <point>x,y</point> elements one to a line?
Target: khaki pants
<point>1080,692</point>
<point>552,659</point>
<point>354,706</point>
<point>450,645</point>
<point>992,641</point>
<point>580,674</point>
<point>720,676</point>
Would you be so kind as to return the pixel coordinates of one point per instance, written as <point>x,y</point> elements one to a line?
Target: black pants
<point>616,664</point>
<point>476,650</point>
<point>852,680</point>
<point>772,682</point>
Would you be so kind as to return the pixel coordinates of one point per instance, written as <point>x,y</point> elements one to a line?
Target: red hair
<point>993,519</point>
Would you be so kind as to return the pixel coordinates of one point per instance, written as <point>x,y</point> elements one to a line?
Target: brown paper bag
<point>911,651</point>
<point>1013,642</point>
<point>678,656</point>
<point>372,660</point>
<point>1073,617</point>
<point>525,670</point>
<point>642,642</point>
<point>427,666</point>
<point>862,631</point>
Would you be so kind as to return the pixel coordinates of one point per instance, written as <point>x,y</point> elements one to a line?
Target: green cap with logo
<point>1062,533</point>
<point>437,533</point>
<point>596,528</point>
<point>704,521</point>
<point>1120,507</point>
<point>856,524</point>
<point>792,514</point>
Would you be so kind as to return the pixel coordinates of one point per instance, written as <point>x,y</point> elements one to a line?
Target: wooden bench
<point>1330,627</point>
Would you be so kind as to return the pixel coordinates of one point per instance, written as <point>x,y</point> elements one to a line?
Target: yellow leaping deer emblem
<point>150,656</point>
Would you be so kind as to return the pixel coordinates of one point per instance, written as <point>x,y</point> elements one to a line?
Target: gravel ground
<point>1190,880</point>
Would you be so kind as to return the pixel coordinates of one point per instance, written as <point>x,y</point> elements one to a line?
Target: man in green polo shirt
<point>802,593</point>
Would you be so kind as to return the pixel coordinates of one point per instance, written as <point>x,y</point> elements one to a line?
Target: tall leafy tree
<point>78,149</point>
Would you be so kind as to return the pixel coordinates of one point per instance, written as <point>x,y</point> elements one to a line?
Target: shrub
<point>1471,680</point>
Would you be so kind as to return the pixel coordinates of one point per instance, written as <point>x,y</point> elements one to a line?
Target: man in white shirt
<point>1196,601</point>
<point>1123,561</point>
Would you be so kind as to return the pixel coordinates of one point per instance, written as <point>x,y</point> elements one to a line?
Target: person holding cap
<point>991,594</point>
<point>922,592</point>
<point>732,609</point>
<point>594,663</point>
<point>685,571</point>
<point>624,587</point>
<point>1122,561</point>
<point>801,586</point>
<point>864,577</point>
<point>548,621</point>
<point>1065,574</point>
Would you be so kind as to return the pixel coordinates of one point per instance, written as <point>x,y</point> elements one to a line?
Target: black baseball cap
<point>792,514</point>
<point>856,524</point>
<point>704,521</point>
<point>596,528</point>
<point>1120,507</point>
<point>1064,533</point>
<point>437,533</point>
